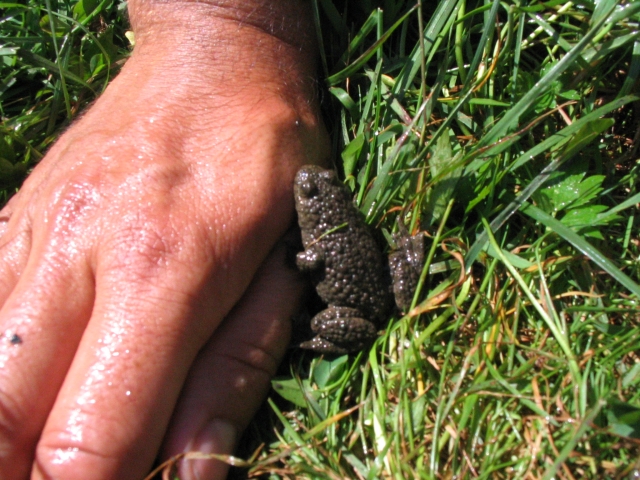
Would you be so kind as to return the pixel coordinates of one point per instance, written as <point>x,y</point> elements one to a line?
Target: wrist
<point>254,37</point>
<point>225,49</point>
<point>287,20</point>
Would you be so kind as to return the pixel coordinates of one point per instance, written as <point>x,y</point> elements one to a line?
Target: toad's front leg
<point>310,260</point>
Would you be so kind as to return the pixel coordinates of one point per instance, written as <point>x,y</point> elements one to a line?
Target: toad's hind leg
<point>340,330</point>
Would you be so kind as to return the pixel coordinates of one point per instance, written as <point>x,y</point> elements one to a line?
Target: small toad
<point>346,264</point>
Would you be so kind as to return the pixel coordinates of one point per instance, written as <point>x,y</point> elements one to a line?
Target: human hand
<point>150,221</point>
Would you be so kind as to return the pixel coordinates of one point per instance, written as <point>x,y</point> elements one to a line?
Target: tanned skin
<point>140,263</point>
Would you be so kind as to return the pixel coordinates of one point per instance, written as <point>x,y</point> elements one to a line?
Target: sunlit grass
<point>506,133</point>
<point>55,58</point>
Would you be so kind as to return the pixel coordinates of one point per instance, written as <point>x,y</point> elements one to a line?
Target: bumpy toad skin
<point>406,263</point>
<point>345,263</point>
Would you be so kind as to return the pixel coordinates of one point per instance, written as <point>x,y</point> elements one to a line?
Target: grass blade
<point>582,245</point>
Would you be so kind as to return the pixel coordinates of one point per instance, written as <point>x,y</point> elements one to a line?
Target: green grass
<point>507,132</point>
<point>55,58</point>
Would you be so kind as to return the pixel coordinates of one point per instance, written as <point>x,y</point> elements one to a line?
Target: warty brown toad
<point>346,265</point>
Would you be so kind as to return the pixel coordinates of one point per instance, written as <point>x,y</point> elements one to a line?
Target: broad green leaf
<point>570,190</point>
<point>623,418</point>
<point>47,23</point>
<point>514,259</point>
<point>632,377</point>
<point>326,371</point>
<point>570,95</point>
<point>445,174</point>
<point>84,8</point>
<point>351,153</point>
<point>391,132</point>
<point>290,390</point>
<point>582,216</point>
<point>582,245</point>
<point>583,137</point>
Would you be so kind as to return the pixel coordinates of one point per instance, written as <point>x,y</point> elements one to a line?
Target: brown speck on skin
<point>14,338</point>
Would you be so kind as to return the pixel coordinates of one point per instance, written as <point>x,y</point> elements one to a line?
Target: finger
<point>114,405</point>
<point>42,321</point>
<point>145,330</point>
<point>15,244</point>
<point>232,373</point>
<point>14,254</point>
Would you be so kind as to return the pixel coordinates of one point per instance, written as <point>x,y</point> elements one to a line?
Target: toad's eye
<point>308,188</point>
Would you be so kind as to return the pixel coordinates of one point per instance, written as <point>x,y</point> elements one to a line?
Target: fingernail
<point>219,436</point>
